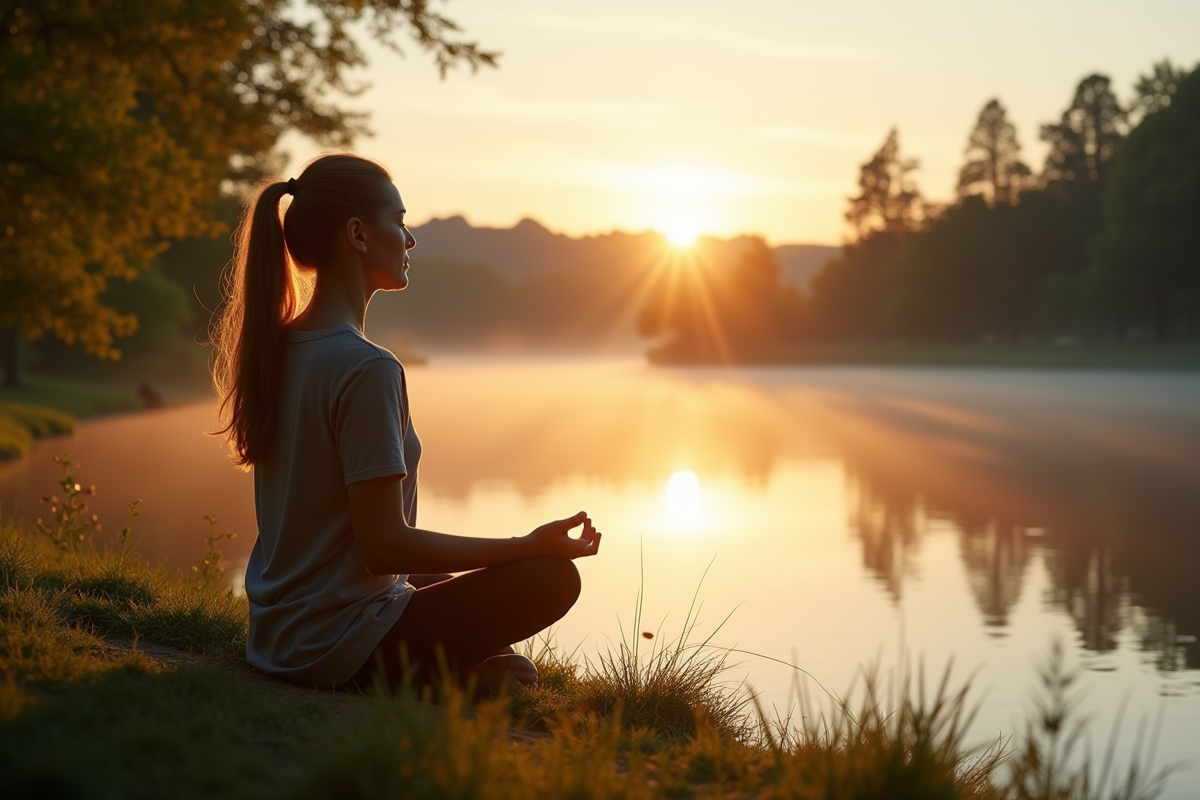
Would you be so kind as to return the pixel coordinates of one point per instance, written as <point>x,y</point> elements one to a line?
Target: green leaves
<point>120,122</point>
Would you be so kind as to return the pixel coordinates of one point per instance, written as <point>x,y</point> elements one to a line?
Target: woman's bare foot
<point>493,672</point>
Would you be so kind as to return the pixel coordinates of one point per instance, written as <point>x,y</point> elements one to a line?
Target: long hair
<point>268,283</point>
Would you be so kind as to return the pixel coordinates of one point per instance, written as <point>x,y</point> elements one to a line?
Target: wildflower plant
<point>72,526</point>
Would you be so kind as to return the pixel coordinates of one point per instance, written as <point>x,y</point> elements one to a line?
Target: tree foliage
<point>1010,262</point>
<point>1147,261</point>
<point>887,199</point>
<point>121,120</point>
<point>983,272</point>
<point>1153,92</point>
<point>1085,140</point>
<point>994,168</point>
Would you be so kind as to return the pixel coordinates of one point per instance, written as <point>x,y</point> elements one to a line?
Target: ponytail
<point>264,290</point>
<point>260,299</point>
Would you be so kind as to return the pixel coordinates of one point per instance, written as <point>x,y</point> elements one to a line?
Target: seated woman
<point>321,414</point>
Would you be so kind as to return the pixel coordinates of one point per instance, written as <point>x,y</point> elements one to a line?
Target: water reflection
<point>1098,472</point>
<point>683,499</point>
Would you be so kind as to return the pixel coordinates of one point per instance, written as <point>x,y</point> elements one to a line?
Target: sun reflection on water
<point>683,498</point>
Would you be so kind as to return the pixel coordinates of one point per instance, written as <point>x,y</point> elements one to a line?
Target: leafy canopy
<point>122,120</point>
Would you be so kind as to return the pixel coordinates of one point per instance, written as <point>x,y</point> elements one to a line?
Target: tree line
<point>1103,243</point>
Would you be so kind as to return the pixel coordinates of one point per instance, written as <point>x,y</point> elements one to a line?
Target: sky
<point>698,116</point>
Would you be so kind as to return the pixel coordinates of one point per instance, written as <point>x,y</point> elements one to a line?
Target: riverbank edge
<point>21,423</point>
<point>52,406</point>
<point>136,679</point>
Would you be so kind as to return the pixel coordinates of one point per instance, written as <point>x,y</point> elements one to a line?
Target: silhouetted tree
<point>887,199</point>
<point>846,292</point>
<point>981,271</point>
<point>1085,140</point>
<point>1153,92</point>
<point>1147,261</point>
<point>994,167</point>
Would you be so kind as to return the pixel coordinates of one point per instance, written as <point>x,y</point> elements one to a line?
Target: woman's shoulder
<point>345,343</point>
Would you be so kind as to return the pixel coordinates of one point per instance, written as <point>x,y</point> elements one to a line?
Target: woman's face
<point>388,243</point>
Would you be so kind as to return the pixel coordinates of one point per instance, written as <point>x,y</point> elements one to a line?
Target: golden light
<point>683,499</point>
<point>681,233</point>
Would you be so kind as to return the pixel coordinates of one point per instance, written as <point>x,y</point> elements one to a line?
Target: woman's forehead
<point>394,199</point>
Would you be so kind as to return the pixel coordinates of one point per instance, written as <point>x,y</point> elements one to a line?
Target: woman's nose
<point>411,242</point>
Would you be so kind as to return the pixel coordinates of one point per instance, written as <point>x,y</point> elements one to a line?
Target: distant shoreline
<point>1171,356</point>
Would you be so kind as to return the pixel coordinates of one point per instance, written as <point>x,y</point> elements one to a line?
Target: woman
<point>322,416</point>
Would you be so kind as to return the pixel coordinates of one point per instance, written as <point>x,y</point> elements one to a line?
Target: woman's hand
<point>554,539</point>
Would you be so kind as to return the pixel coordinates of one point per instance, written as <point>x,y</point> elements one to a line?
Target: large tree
<point>888,207</point>
<point>994,168</point>
<point>1147,261</point>
<point>887,201</point>
<point>120,120</point>
<point>1085,140</point>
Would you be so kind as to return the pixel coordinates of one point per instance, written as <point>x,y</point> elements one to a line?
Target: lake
<point>845,516</point>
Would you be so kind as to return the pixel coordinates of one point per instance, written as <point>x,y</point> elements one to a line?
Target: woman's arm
<point>391,546</point>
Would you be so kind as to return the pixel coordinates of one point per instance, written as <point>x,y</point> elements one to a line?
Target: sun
<point>681,233</point>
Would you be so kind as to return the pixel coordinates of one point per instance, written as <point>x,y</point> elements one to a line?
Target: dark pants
<point>470,618</point>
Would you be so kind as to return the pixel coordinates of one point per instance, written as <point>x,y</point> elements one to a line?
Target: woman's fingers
<point>573,521</point>
<point>558,531</point>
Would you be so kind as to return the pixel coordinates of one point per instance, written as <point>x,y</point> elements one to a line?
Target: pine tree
<point>1084,142</point>
<point>994,168</point>
<point>888,201</point>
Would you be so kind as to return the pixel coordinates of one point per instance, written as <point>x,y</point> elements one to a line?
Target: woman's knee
<point>559,576</point>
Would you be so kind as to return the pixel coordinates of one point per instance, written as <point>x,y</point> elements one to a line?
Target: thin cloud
<point>682,30</point>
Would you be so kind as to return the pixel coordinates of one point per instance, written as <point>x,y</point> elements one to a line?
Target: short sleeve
<point>369,419</point>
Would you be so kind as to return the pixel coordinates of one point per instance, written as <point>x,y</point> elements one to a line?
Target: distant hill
<point>529,248</point>
<point>526,288</point>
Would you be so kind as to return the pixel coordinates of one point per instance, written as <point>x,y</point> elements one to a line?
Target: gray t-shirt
<point>316,612</point>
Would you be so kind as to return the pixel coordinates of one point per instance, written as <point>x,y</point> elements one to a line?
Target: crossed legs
<point>474,619</point>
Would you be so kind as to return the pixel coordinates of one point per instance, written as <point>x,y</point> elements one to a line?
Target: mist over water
<point>850,515</point>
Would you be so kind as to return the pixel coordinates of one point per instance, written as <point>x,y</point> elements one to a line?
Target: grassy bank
<point>21,423</point>
<point>78,398</point>
<point>46,406</point>
<point>1171,356</point>
<point>121,680</point>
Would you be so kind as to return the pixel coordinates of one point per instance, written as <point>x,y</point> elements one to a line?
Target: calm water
<point>850,515</point>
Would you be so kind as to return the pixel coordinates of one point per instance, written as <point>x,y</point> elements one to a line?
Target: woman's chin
<point>397,285</point>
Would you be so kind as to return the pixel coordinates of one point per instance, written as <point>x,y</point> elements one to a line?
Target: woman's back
<point>316,611</point>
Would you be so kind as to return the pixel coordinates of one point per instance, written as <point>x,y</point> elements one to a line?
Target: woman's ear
<point>356,234</point>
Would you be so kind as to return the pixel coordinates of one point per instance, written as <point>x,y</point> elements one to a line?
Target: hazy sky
<point>730,118</point>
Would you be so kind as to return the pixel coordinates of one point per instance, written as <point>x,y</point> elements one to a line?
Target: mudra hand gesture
<point>554,539</point>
